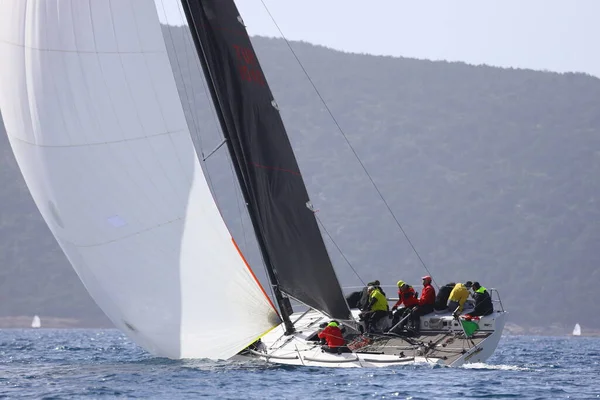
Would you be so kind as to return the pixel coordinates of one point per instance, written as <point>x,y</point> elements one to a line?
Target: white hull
<point>444,346</point>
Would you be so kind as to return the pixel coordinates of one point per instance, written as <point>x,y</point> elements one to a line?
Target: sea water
<point>104,364</point>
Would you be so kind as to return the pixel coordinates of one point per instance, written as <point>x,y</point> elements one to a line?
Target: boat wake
<point>495,367</point>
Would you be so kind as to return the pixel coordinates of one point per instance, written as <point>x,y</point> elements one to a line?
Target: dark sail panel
<point>269,175</point>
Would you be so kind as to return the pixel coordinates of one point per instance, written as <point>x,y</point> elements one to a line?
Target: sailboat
<point>97,125</point>
<point>577,330</point>
<point>36,322</point>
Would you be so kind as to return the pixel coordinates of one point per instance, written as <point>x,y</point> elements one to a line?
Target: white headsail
<point>94,119</point>
<point>577,330</point>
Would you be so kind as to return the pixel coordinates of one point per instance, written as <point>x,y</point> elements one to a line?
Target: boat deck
<point>441,341</point>
<point>441,345</point>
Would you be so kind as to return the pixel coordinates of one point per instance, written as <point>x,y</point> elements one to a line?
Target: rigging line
<point>215,150</point>
<point>338,248</point>
<point>347,141</point>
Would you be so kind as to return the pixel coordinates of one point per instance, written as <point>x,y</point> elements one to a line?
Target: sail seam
<point>98,143</point>
<point>154,201</point>
<point>193,116</point>
<point>79,51</point>
<point>66,96</point>
<point>120,238</point>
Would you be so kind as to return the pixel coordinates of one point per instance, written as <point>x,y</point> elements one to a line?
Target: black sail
<point>291,242</point>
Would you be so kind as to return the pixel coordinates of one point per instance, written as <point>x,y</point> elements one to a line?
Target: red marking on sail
<point>245,54</point>
<point>251,75</point>
<point>276,169</point>
<point>253,276</point>
<point>248,67</point>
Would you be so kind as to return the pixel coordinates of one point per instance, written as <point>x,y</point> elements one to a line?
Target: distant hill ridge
<point>492,172</point>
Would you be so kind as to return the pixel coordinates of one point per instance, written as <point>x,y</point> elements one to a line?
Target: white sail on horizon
<point>94,119</point>
<point>577,330</point>
<point>36,322</point>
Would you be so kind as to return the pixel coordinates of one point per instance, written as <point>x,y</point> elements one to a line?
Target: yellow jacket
<point>380,303</point>
<point>460,293</point>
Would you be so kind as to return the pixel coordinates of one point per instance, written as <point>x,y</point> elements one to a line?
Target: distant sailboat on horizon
<point>36,323</point>
<point>577,330</point>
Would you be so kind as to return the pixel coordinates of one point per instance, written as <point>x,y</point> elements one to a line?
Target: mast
<point>276,197</point>
<point>285,307</point>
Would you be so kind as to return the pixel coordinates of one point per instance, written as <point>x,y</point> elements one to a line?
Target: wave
<point>500,367</point>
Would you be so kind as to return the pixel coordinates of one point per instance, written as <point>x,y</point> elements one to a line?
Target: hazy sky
<point>557,35</point>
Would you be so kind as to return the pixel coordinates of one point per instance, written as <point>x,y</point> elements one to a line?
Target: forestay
<point>97,127</point>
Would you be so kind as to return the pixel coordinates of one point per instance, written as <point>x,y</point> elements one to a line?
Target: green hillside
<point>493,173</point>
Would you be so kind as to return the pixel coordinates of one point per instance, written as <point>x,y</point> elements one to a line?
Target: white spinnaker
<point>94,119</point>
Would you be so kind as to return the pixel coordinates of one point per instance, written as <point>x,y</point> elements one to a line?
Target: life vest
<point>380,301</point>
<point>407,297</point>
<point>483,302</point>
<point>333,336</point>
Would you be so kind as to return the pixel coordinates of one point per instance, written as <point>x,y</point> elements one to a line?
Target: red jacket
<point>427,295</point>
<point>333,336</point>
<point>407,297</point>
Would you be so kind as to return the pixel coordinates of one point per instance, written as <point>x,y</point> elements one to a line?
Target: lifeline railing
<point>499,300</point>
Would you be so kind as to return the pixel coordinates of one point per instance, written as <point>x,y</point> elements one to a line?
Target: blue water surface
<point>102,364</point>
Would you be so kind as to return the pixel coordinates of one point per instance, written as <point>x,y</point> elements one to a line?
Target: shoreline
<point>24,322</point>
